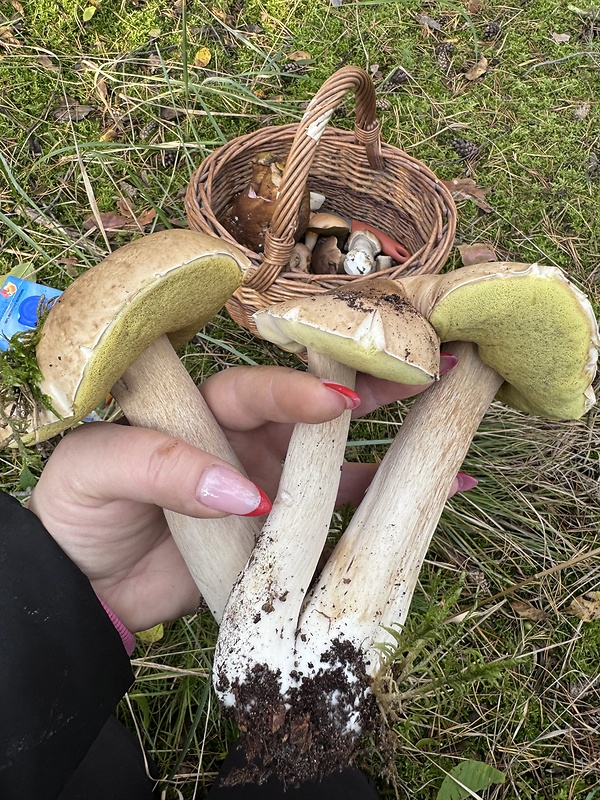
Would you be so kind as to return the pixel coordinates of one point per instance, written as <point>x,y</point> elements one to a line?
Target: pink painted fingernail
<point>466,482</point>
<point>447,362</point>
<point>351,398</point>
<point>224,489</point>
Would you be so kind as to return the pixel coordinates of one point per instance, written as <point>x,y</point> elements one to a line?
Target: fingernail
<point>224,489</point>
<point>447,362</point>
<point>351,398</point>
<point>466,482</point>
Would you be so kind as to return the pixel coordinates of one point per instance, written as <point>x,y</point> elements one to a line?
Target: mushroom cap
<point>172,282</point>
<point>328,224</point>
<point>531,324</point>
<point>370,327</point>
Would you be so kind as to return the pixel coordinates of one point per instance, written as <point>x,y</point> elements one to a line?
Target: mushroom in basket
<point>248,217</point>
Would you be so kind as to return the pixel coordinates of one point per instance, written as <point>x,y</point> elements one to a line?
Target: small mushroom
<point>363,246</point>
<point>326,256</point>
<point>300,258</point>
<point>383,262</point>
<point>316,200</point>
<point>325,224</point>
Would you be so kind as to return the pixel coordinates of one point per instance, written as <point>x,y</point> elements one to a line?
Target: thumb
<point>104,462</point>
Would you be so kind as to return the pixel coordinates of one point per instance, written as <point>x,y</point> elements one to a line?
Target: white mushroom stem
<point>260,622</point>
<point>157,392</point>
<point>369,580</point>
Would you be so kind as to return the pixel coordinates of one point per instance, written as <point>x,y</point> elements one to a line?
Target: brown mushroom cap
<point>370,327</point>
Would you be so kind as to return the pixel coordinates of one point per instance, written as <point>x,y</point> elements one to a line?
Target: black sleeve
<point>63,667</point>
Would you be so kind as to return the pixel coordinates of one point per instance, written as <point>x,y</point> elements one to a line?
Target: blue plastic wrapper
<point>21,303</point>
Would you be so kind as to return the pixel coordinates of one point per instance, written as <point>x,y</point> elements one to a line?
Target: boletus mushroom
<point>114,330</point>
<point>249,216</point>
<point>298,675</point>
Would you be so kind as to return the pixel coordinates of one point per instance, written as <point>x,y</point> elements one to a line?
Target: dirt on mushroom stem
<point>309,731</point>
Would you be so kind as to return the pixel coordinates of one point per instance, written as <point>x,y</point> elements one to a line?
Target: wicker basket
<point>360,177</point>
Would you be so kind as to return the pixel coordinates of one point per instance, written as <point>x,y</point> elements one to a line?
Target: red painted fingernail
<point>447,362</point>
<point>351,398</point>
<point>262,508</point>
<point>466,482</point>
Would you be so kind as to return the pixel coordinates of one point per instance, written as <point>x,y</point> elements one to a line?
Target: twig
<point>564,58</point>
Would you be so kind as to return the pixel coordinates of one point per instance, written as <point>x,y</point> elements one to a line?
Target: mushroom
<point>114,330</point>
<point>300,258</point>
<point>374,330</point>
<point>537,340</point>
<point>248,217</point>
<point>325,224</point>
<point>326,256</point>
<point>362,246</point>
<point>389,246</point>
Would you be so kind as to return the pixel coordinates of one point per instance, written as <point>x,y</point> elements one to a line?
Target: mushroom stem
<point>157,392</point>
<point>261,618</point>
<point>369,580</point>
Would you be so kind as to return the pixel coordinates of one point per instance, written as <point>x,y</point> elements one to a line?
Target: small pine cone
<point>398,77</point>
<point>169,159</point>
<point>148,129</point>
<point>492,29</point>
<point>295,69</point>
<point>340,112</point>
<point>466,149</point>
<point>443,53</point>
<point>383,104</point>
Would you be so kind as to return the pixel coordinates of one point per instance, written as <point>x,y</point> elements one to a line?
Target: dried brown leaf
<point>477,253</point>
<point>527,611</point>
<point>467,189</point>
<point>46,62</point>
<point>561,38</point>
<point>477,70</point>
<point>474,6</point>
<point>430,23</point>
<point>71,110</point>
<point>111,221</point>
<point>586,607</point>
<point>18,7</point>
<point>300,56</point>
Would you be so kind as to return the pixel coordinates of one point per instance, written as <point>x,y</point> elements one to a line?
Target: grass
<point>494,680</point>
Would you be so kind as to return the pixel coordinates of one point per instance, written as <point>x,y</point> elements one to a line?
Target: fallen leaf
<point>70,263</point>
<point>478,70</point>
<point>467,189</point>
<point>110,134</point>
<point>88,13</point>
<point>476,254</point>
<point>586,607</point>
<point>154,33</point>
<point>336,3</point>
<point>300,56</point>
<point>169,113</point>
<point>127,219</point>
<point>430,23</point>
<point>102,91</point>
<point>46,62</point>
<point>474,6</point>
<point>581,112</point>
<point>151,635</point>
<point>527,611</point>
<point>111,221</point>
<point>18,7</point>
<point>6,36</point>
<point>71,110</point>
<point>202,57</point>
<point>126,208</point>
<point>561,38</point>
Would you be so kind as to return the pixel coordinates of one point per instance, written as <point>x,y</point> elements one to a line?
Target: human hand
<point>102,492</point>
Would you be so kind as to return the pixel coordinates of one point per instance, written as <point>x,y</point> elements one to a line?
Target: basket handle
<point>279,240</point>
